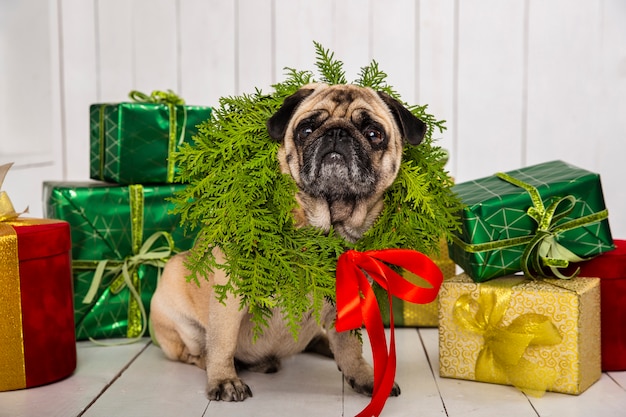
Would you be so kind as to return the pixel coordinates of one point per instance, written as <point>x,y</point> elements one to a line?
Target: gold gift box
<point>483,326</point>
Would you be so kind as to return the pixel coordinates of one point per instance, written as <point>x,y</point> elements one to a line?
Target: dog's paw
<point>229,390</point>
<point>366,387</point>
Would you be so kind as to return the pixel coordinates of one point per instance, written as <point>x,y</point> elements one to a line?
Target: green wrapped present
<point>536,219</point>
<point>131,143</point>
<point>121,238</point>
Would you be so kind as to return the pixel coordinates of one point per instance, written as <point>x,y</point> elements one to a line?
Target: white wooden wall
<point>519,81</point>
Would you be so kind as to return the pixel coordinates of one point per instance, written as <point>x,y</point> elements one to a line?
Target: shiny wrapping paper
<point>112,223</point>
<point>610,267</point>
<point>408,314</point>
<point>503,226</point>
<point>537,335</point>
<point>37,343</point>
<point>131,142</point>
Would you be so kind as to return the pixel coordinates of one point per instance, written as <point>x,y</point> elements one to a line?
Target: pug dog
<point>342,145</point>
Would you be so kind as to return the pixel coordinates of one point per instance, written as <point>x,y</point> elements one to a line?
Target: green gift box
<point>131,142</point>
<point>536,219</point>
<point>116,228</point>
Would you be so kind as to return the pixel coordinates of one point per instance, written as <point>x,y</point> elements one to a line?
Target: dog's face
<point>342,144</point>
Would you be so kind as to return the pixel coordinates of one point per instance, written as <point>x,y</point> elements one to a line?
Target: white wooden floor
<point>136,380</point>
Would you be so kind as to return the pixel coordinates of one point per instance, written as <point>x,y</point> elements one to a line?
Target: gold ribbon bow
<point>7,211</point>
<point>501,358</point>
<point>172,100</point>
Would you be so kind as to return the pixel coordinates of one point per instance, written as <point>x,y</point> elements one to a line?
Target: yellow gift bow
<point>125,272</point>
<point>172,100</point>
<point>502,355</point>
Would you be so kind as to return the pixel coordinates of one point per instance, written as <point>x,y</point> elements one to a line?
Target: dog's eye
<point>304,131</point>
<point>375,136</point>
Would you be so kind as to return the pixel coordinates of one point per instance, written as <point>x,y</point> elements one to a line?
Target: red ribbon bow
<point>356,304</point>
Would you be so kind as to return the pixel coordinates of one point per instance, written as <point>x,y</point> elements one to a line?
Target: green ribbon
<point>125,272</point>
<point>172,100</point>
<point>542,248</point>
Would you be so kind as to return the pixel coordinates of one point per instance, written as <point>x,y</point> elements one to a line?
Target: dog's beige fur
<point>343,147</point>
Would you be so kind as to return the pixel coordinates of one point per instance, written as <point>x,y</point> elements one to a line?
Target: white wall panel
<point>436,69</point>
<point>489,87</point>
<point>394,45</point>
<point>350,28</point>
<point>79,85</point>
<point>207,53</point>
<point>155,45</point>
<point>115,59</point>
<point>254,49</point>
<point>298,24</point>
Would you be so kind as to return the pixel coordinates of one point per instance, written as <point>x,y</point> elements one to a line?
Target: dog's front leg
<point>348,352</point>
<point>222,333</point>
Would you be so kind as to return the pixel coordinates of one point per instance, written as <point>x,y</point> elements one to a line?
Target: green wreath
<point>242,204</point>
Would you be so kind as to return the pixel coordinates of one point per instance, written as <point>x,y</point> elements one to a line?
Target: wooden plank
<point>419,393</point>
<point>97,367</point>
<point>471,398</point>
<point>351,33</point>
<point>207,51</point>
<point>489,101</point>
<point>154,385</point>
<point>306,385</point>
<point>605,398</point>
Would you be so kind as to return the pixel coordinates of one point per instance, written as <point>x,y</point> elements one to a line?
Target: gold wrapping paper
<point>572,306</point>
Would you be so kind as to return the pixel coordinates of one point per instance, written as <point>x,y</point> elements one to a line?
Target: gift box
<point>408,314</point>
<point>536,219</point>
<point>537,335</point>
<point>610,267</point>
<point>37,343</point>
<point>131,142</point>
<point>116,228</point>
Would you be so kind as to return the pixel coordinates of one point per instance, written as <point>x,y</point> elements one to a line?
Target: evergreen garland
<point>242,204</point>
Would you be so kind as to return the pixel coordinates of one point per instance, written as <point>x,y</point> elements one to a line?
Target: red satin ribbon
<point>356,304</point>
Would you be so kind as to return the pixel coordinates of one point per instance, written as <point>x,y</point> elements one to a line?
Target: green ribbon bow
<point>125,272</point>
<point>501,359</point>
<point>172,100</point>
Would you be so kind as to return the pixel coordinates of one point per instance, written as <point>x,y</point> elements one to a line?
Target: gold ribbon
<point>172,100</point>
<point>501,359</point>
<point>12,361</point>
<point>125,272</point>
<point>542,248</point>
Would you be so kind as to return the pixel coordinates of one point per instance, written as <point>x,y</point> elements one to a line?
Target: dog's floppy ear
<point>277,124</point>
<point>412,128</point>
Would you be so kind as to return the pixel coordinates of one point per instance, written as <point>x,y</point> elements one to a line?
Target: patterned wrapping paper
<point>131,143</point>
<point>564,357</point>
<point>422,315</point>
<point>37,342</point>
<point>505,228</point>
<point>112,223</point>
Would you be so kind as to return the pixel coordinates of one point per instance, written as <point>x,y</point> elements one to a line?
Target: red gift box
<point>37,339</point>
<point>610,267</point>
